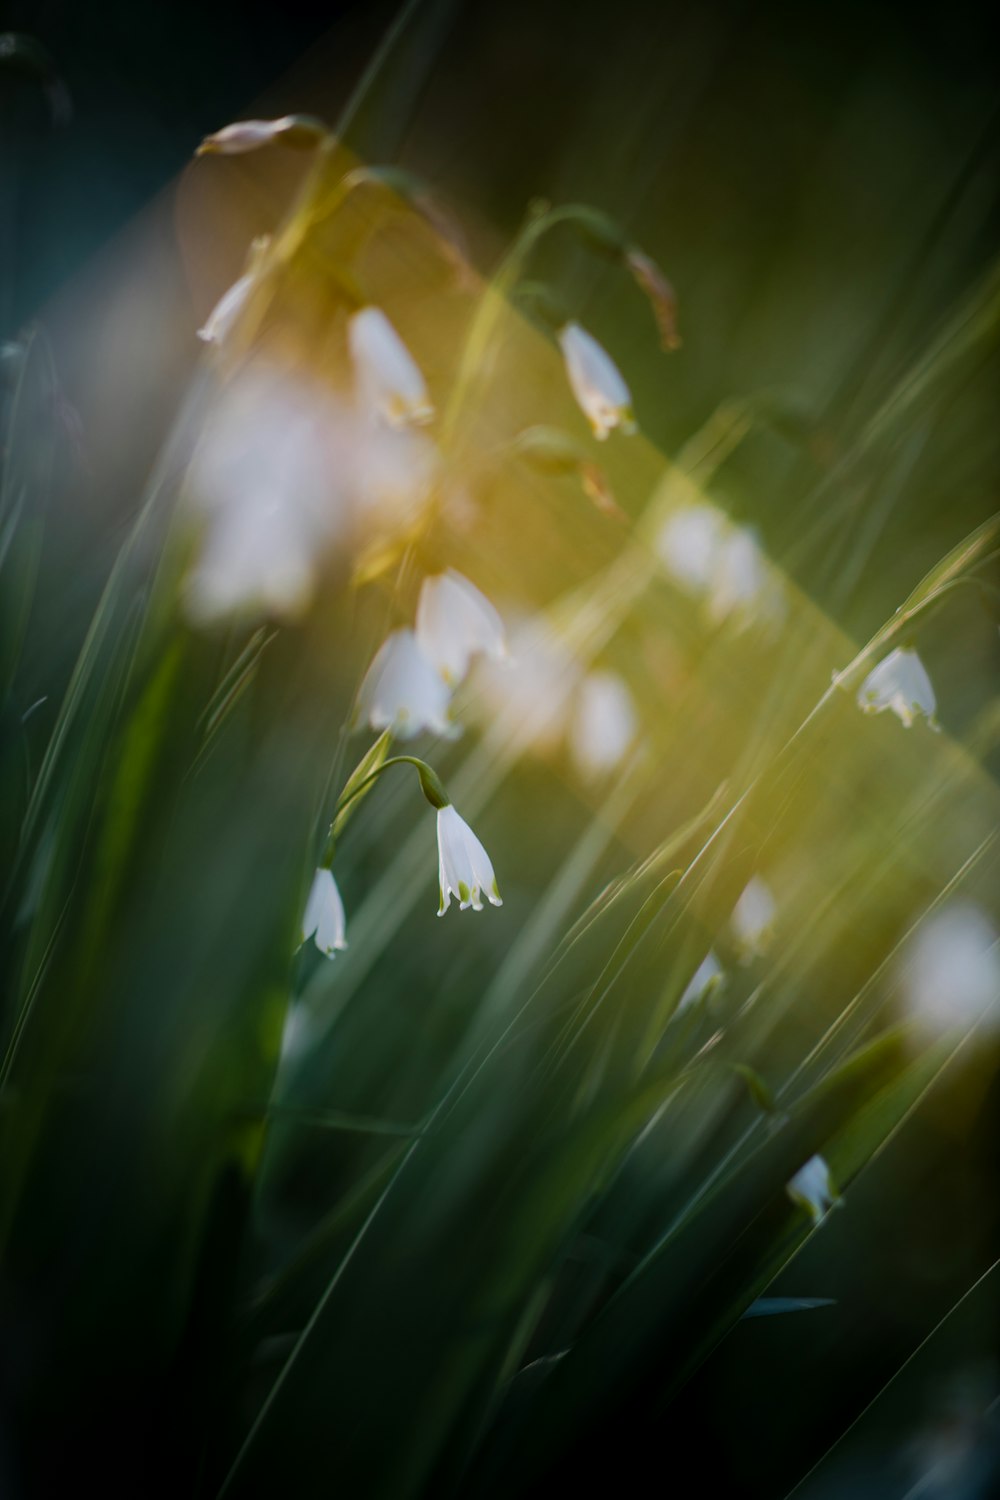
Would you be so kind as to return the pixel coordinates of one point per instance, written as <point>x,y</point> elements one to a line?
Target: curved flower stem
<point>430,785</point>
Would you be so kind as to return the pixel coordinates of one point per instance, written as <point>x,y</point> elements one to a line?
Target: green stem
<point>430,785</point>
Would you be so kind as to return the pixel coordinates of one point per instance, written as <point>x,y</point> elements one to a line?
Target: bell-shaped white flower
<point>752,920</point>
<point>900,683</point>
<point>224,314</point>
<point>392,476</point>
<point>812,1188</point>
<point>596,382</point>
<point>324,915</point>
<point>603,725</point>
<point>464,868</point>
<point>266,488</point>
<point>390,384</point>
<point>743,586</point>
<point>688,544</point>
<point>528,699</point>
<point>707,978</point>
<point>455,622</point>
<point>402,691</point>
<point>952,970</point>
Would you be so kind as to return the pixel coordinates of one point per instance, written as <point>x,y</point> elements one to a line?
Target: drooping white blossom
<point>812,1188</point>
<point>688,545</point>
<point>603,724</point>
<point>743,586</point>
<point>901,684</point>
<point>455,622</point>
<point>266,493</point>
<point>403,691</point>
<point>392,475</point>
<point>324,915</point>
<point>752,920</point>
<point>464,868</point>
<point>390,384</point>
<point>596,382</point>
<point>708,977</point>
<point>952,970</point>
<point>528,699</point>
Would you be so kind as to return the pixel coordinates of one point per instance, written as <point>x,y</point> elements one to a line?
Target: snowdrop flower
<point>899,683</point>
<point>752,921</point>
<point>742,585</point>
<point>529,698</point>
<point>324,916</point>
<point>464,868</point>
<point>393,472</point>
<point>953,970</point>
<point>596,382</point>
<point>812,1188</point>
<point>265,483</point>
<point>456,622</point>
<point>603,725</point>
<point>688,545</point>
<point>708,977</point>
<point>389,381</point>
<point>403,692</point>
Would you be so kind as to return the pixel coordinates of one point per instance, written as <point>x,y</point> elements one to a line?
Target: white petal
<point>708,973</point>
<point>324,915</point>
<point>952,970</point>
<point>455,622</point>
<point>389,380</point>
<point>596,382</point>
<point>464,867</point>
<point>403,692</point>
<point>603,726</point>
<point>688,545</point>
<point>900,683</point>
<point>812,1188</point>
<point>752,920</point>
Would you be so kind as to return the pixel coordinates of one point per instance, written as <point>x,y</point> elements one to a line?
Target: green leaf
<point>350,798</point>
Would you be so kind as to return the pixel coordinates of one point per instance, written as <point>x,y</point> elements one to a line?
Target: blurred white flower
<point>752,921</point>
<point>392,475</point>
<point>603,724</point>
<point>596,382</point>
<point>812,1188</point>
<point>899,683</point>
<point>324,916</point>
<point>708,977</point>
<point>743,585</point>
<point>389,381</point>
<point>455,622</point>
<point>952,970</point>
<point>265,484</point>
<point>688,545</point>
<point>528,698</point>
<point>464,868</point>
<point>403,692</point>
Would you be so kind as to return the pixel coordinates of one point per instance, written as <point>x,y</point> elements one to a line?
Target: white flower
<point>752,921</point>
<point>324,917</point>
<point>708,977</point>
<point>953,969</point>
<point>603,725</point>
<point>812,1188</point>
<point>392,475</point>
<point>899,683</point>
<point>265,483</point>
<point>742,585</point>
<point>688,545</point>
<point>389,381</point>
<point>456,622</point>
<point>464,868</point>
<point>528,698</point>
<point>596,382</point>
<point>226,311</point>
<point>403,692</point>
